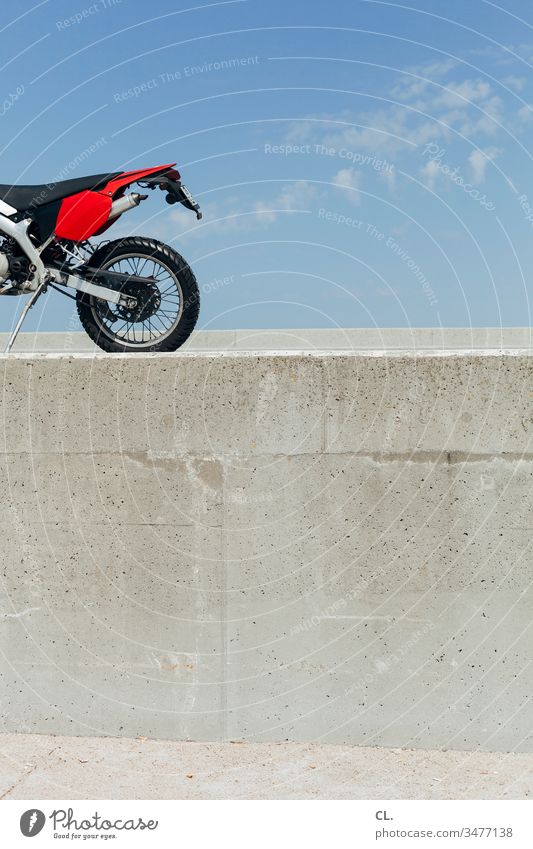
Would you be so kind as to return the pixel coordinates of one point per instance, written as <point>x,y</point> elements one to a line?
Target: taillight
<point>173,174</point>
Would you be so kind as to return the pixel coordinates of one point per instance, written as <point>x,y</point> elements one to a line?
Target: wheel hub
<point>147,297</point>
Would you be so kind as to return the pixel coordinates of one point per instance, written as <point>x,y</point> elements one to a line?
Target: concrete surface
<point>323,339</point>
<point>306,547</point>
<point>47,767</point>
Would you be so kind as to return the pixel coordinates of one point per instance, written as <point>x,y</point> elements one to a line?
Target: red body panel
<point>84,214</point>
<point>81,215</point>
<point>128,177</point>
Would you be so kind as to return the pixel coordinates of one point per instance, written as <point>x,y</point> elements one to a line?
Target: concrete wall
<point>322,339</point>
<point>268,547</point>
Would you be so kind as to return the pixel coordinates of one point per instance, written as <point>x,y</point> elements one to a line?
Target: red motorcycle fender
<point>82,215</point>
<point>120,183</point>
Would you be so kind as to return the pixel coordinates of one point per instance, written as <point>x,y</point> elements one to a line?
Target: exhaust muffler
<point>121,205</point>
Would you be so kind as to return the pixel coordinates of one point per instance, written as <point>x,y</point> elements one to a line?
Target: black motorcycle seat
<point>30,197</point>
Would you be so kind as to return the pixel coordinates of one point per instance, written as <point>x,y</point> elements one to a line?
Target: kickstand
<point>35,296</point>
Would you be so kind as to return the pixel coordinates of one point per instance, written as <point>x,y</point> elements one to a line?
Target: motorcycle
<point>132,294</point>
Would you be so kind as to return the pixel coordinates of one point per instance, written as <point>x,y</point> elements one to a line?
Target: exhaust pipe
<point>123,204</point>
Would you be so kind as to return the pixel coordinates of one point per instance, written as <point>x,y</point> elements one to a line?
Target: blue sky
<point>358,163</point>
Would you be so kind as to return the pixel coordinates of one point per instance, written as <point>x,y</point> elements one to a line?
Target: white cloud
<point>525,114</point>
<point>428,113</point>
<point>525,51</point>
<point>478,161</point>
<point>349,179</point>
<point>469,106</point>
<point>388,176</point>
<point>417,80</point>
<point>464,94</point>
<point>516,83</point>
<point>293,197</point>
<point>430,173</point>
<point>382,132</point>
<point>506,54</point>
<point>233,215</point>
<point>435,69</point>
<point>429,97</point>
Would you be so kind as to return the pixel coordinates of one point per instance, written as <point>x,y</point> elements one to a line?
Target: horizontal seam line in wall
<point>113,524</point>
<point>445,456</point>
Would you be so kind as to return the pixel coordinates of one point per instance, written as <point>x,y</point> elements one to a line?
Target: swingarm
<point>82,284</point>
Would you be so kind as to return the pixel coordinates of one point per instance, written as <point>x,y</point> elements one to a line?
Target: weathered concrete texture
<point>326,548</point>
<point>309,339</point>
<point>47,767</point>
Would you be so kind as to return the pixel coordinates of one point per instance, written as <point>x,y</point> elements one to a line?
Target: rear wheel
<point>167,305</point>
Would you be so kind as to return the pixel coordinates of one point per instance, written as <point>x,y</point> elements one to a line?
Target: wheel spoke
<point>152,323</point>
